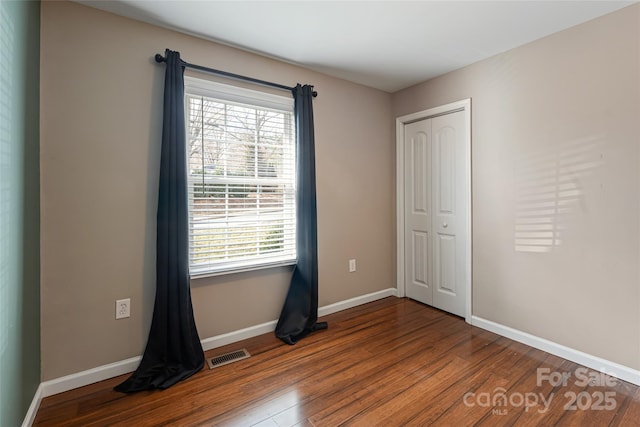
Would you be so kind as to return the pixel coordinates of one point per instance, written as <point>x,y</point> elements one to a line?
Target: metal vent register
<point>225,359</point>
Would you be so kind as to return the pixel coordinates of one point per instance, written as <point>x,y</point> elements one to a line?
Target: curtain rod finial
<point>159,58</point>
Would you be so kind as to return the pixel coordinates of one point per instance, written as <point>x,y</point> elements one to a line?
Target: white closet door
<point>435,209</point>
<point>449,209</point>
<point>417,196</point>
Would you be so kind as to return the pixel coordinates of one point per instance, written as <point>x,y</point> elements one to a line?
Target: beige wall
<point>573,96</point>
<point>100,126</point>
<point>571,99</point>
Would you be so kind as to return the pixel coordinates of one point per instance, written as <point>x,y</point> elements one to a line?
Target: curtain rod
<point>160,58</point>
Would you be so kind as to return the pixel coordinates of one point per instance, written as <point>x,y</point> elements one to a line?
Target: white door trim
<point>464,105</point>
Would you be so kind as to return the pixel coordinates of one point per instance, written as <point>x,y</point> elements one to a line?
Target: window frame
<point>225,93</point>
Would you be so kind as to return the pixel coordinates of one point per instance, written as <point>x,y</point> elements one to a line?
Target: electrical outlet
<point>123,308</point>
<point>352,265</point>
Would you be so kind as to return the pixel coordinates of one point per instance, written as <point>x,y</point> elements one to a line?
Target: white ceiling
<point>389,45</point>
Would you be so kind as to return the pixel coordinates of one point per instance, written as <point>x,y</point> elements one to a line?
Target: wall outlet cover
<point>123,308</point>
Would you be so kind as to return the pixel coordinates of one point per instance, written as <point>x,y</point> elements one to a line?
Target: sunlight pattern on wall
<point>549,189</point>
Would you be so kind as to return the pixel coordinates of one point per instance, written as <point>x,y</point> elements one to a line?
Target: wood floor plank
<point>393,362</point>
<point>628,413</point>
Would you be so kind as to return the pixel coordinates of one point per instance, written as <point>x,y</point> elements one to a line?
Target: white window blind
<point>241,156</point>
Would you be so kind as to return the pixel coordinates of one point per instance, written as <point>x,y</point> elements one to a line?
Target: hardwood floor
<point>393,362</point>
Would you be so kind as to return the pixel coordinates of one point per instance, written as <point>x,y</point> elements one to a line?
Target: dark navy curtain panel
<point>173,350</point>
<point>299,316</point>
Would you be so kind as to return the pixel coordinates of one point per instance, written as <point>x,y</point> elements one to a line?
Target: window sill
<point>242,269</point>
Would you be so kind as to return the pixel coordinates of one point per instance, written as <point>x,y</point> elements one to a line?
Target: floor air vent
<point>225,359</point>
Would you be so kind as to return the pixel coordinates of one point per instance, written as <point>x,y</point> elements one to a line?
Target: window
<point>241,155</point>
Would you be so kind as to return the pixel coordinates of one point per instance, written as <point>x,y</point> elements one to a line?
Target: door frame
<point>463,105</point>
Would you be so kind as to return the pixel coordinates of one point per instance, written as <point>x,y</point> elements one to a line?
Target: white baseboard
<point>239,335</point>
<point>265,328</point>
<point>30,416</point>
<point>100,373</point>
<point>354,302</point>
<point>622,372</point>
<point>90,376</point>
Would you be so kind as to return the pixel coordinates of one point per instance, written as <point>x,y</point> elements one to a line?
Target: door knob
<point>445,225</point>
